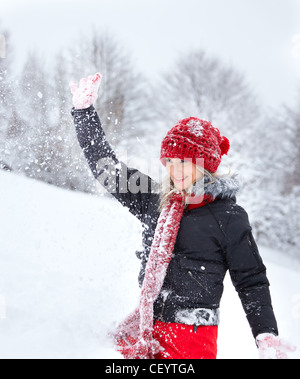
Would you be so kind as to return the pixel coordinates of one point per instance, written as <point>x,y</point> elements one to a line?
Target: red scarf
<point>206,199</point>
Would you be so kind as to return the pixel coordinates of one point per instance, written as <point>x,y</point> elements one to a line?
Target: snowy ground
<point>68,273</point>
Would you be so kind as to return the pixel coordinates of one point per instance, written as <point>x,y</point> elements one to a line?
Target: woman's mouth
<point>179,180</point>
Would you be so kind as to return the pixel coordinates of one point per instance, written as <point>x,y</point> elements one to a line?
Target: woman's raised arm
<point>132,188</point>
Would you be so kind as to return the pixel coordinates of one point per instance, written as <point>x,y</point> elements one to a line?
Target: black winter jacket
<point>211,240</point>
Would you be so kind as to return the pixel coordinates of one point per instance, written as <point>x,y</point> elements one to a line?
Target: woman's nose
<point>178,170</point>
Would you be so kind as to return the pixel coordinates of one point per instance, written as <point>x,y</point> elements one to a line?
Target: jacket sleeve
<point>248,274</point>
<point>130,187</point>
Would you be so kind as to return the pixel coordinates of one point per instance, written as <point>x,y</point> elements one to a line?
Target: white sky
<point>256,36</point>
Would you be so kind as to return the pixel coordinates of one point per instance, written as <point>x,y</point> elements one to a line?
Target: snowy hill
<point>68,272</point>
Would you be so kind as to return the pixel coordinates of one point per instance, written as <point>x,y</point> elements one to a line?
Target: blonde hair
<point>167,187</point>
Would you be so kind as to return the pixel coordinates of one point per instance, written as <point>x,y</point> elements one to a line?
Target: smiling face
<point>183,173</point>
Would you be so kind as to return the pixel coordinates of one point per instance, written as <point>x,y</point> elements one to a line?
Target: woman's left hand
<point>273,347</point>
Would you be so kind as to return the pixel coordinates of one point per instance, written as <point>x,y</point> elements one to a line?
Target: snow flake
<point>40,95</point>
<point>196,127</point>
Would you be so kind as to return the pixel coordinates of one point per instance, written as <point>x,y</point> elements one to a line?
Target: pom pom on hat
<point>224,146</point>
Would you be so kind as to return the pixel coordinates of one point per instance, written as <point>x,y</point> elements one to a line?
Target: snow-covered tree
<point>276,215</point>
<point>292,128</point>
<point>32,98</point>
<point>8,113</point>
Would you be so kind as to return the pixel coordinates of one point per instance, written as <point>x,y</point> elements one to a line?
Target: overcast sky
<point>260,37</point>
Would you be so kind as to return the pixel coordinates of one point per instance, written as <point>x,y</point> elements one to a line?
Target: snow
<point>196,127</point>
<point>68,273</point>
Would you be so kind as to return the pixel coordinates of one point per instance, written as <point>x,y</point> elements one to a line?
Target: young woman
<point>193,233</point>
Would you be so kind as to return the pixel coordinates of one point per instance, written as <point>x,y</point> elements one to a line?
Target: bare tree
<point>288,148</point>
<point>205,87</point>
<point>123,95</point>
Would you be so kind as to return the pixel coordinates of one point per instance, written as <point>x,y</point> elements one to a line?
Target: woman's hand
<point>86,93</point>
<point>272,347</point>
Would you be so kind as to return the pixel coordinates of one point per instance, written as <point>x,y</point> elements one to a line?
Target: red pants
<point>182,342</point>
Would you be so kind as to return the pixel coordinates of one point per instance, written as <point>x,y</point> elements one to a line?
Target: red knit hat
<point>192,139</point>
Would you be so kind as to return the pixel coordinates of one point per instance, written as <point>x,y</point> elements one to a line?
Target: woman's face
<point>183,173</point>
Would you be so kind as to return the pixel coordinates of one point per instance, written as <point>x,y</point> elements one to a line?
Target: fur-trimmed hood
<point>223,187</point>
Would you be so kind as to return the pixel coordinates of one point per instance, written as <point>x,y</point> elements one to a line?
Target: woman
<point>193,233</point>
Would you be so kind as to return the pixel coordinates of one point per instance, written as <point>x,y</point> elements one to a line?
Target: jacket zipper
<point>197,281</point>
